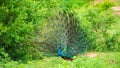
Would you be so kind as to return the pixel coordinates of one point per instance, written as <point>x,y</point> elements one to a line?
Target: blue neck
<point>59,52</point>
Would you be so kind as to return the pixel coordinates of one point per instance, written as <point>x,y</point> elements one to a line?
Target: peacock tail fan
<point>63,29</point>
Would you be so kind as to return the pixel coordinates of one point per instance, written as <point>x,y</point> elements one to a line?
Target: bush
<point>96,21</point>
<point>113,42</point>
<point>17,24</point>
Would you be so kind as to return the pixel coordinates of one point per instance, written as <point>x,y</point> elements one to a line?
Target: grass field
<point>98,60</point>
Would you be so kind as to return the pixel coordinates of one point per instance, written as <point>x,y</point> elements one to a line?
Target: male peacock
<point>64,34</point>
<point>65,57</point>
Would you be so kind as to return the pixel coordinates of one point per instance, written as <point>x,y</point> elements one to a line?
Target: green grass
<point>102,60</point>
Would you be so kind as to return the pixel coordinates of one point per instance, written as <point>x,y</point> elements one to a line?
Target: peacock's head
<point>59,46</point>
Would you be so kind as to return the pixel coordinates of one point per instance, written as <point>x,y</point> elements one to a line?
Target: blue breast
<point>60,52</point>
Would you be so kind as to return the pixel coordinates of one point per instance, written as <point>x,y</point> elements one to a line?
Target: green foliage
<point>3,55</point>
<point>97,21</point>
<point>70,5</point>
<point>17,24</point>
<point>105,5</point>
<point>113,42</point>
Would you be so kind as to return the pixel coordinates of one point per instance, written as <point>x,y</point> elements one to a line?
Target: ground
<point>88,60</point>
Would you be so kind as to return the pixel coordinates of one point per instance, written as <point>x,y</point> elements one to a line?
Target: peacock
<point>64,35</point>
<point>66,55</point>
